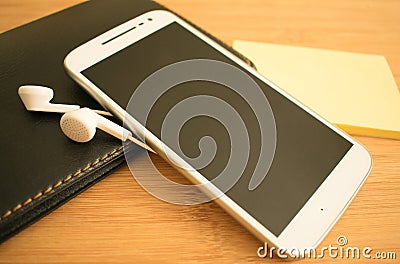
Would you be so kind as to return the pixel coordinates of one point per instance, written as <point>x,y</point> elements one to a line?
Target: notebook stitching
<point>58,184</point>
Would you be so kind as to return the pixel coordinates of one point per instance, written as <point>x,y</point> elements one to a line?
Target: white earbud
<point>79,124</point>
<point>37,98</point>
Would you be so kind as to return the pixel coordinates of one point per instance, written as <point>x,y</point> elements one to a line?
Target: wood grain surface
<point>117,221</point>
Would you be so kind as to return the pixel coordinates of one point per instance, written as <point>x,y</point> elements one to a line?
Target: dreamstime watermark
<point>340,250</point>
<point>232,91</point>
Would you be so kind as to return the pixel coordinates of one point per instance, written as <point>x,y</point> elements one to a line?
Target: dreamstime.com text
<point>338,251</point>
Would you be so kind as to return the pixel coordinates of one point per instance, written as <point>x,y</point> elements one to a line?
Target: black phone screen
<point>306,150</point>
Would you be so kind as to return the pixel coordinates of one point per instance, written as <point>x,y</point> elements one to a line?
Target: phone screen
<point>306,150</point>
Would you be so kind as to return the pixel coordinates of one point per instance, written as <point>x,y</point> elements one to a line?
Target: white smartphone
<point>316,169</point>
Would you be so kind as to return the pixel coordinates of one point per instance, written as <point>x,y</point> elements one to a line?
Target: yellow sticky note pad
<point>355,91</point>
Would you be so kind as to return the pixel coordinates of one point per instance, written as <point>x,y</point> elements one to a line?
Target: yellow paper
<point>355,91</point>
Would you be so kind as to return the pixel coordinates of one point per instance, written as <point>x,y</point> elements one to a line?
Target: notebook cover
<point>42,168</point>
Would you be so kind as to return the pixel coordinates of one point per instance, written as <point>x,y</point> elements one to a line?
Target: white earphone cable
<point>141,144</point>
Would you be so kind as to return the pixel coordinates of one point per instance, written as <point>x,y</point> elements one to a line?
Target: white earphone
<point>78,124</point>
<point>37,98</point>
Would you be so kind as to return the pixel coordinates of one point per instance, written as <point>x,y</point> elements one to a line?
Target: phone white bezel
<point>322,210</point>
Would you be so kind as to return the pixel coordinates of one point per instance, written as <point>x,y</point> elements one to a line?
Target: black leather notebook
<point>42,168</point>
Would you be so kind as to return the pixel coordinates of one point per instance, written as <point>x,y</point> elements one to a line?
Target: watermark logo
<point>340,250</point>
<point>184,109</point>
<point>341,240</point>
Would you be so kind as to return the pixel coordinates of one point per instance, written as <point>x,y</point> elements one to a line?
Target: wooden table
<point>117,221</point>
